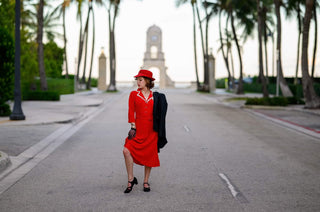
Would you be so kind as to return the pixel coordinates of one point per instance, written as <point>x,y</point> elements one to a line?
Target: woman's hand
<point>131,133</point>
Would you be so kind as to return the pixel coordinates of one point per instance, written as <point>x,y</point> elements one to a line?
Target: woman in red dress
<point>141,144</point>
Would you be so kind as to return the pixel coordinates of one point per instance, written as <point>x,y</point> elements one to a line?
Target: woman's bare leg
<point>129,164</point>
<point>147,171</point>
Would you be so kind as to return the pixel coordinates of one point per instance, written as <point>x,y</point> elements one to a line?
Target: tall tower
<point>154,57</point>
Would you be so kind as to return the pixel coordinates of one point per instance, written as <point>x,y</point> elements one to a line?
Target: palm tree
<point>311,98</point>
<point>225,42</point>
<point>222,44</point>
<point>260,27</point>
<point>193,5</point>
<point>83,42</point>
<point>315,6</point>
<point>240,85</point>
<point>283,84</point>
<point>88,85</point>
<point>112,15</point>
<point>65,4</point>
<point>43,80</point>
<point>79,15</point>
<point>267,22</point>
<point>50,23</point>
<point>41,25</point>
<point>61,8</point>
<point>294,8</point>
<point>205,42</point>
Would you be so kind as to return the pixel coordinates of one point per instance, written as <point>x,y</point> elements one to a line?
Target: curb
<point>288,108</point>
<point>4,161</point>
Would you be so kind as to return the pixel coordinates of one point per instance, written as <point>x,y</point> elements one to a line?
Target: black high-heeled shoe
<point>129,188</point>
<point>146,189</point>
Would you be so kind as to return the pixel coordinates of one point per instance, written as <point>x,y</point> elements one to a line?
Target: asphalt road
<point>218,158</point>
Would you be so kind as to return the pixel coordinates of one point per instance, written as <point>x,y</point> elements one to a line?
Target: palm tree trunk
<point>315,38</point>
<point>229,52</point>
<point>43,80</point>
<point>65,41</point>
<point>195,46</point>
<point>206,58</point>
<point>311,98</point>
<point>240,84</point>
<point>86,35</point>
<point>202,43</point>
<point>92,52</point>
<point>80,49</point>
<point>201,31</point>
<point>113,40</point>
<point>261,72</point>
<point>112,85</point>
<point>265,47</point>
<point>283,84</point>
<point>232,65</point>
<point>225,56</point>
<point>299,45</point>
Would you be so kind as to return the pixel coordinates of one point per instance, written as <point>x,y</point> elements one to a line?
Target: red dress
<point>143,147</point>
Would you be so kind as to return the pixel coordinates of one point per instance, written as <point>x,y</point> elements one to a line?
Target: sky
<point>135,17</point>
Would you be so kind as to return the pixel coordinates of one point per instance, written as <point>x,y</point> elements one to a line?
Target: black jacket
<point>160,106</point>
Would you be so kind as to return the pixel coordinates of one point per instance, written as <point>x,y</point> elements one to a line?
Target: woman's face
<point>141,82</point>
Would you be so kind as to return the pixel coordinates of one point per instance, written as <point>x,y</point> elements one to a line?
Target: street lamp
<point>17,113</point>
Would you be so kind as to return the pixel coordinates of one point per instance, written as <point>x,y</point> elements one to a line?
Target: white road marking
<point>186,128</point>
<point>232,189</point>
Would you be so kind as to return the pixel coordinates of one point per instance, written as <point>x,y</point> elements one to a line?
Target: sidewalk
<point>295,117</point>
<point>42,119</point>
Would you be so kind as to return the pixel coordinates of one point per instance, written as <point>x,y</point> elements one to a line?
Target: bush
<point>6,65</point>
<point>275,101</point>
<point>220,83</point>
<point>5,110</point>
<point>53,59</point>
<point>295,101</point>
<point>94,82</point>
<point>41,95</point>
<point>62,86</point>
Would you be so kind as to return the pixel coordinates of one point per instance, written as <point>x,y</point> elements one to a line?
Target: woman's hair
<point>149,83</point>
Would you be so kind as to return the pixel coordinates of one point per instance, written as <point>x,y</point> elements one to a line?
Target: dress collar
<point>150,97</point>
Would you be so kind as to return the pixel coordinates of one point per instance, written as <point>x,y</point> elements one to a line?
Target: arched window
<point>154,52</point>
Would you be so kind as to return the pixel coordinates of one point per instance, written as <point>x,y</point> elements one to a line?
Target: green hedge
<point>275,101</point>
<point>41,95</point>
<point>5,110</point>
<point>6,65</point>
<point>297,90</point>
<point>220,83</point>
<point>62,86</point>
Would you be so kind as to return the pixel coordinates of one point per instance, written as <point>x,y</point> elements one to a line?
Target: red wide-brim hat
<point>145,73</point>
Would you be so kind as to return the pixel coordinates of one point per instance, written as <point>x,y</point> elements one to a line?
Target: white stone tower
<point>154,57</point>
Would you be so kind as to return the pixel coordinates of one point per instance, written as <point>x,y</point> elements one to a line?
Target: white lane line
<point>186,128</point>
<point>233,189</point>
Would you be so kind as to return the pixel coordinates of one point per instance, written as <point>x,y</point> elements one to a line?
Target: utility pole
<point>278,71</point>
<point>17,113</point>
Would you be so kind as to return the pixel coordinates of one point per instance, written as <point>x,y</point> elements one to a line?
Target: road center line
<point>233,189</point>
<point>186,128</point>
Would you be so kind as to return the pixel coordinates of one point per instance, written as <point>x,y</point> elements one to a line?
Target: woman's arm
<point>131,111</point>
